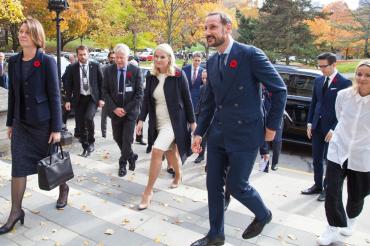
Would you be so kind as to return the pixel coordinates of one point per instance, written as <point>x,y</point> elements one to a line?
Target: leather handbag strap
<point>59,145</point>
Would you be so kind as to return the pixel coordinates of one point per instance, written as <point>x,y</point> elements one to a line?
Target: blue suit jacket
<point>194,88</point>
<point>323,107</point>
<point>42,95</point>
<point>235,104</point>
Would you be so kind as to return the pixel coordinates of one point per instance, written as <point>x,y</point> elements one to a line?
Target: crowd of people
<point>233,108</point>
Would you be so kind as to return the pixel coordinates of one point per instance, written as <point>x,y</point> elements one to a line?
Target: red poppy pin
<point>37,63</point>
<point>177,73</point>
<point>233,63</point>
<point>128,75</point>
<point>334,80</point>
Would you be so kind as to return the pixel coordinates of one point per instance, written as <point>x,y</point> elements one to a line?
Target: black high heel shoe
<point>4,229</point>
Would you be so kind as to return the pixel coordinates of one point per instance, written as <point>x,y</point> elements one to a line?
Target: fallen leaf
<point>292,237</point>
<point>157,239</point>
<point>42,223</point>
<point>35,211</point>
<point>125,222</point>
<point>109,232</point>
<point>57,244</point>
<point>100,244</point>
<point>86,243</point>
<point>178,221</point>
<point>132,229</point>
<point>45,238</point>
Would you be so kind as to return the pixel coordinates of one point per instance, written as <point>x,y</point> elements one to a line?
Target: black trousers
<point>358,187</point>
<point>276,149</point>
<point>85,112</point>
<point>319,152</point>
<point>123,134</point>
<point>103,121</point>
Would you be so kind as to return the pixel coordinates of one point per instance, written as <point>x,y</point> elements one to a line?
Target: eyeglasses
<point>323,66</point>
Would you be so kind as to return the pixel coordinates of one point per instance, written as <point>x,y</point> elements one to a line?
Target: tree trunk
<point>287,61</point>
<point>14,35</point>
<point>134,41</point>
<point>6,36</point>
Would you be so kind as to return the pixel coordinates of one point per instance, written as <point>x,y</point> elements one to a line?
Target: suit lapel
<point>38,57</point>
<point>230,71</point>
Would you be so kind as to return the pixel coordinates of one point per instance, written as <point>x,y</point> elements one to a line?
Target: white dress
<point>166,136</point>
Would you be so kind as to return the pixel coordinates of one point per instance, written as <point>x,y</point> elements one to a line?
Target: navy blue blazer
<point>194,88</point>
<point>323,107</point>
<point>42,96</point>
<point>235,104</point>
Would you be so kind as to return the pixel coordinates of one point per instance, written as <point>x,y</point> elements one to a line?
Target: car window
<point>300,85</point>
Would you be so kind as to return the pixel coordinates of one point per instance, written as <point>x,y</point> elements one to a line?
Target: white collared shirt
<point>227,50</point>
<point>331,77</point>
<point>82,91</point>
<point>351,137</point>
<point>192,72</point>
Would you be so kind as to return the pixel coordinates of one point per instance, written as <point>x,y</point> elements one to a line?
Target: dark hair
<point>110,52</point>
<point>330,57</point>
<point>225,19</point>
<point>81,47</point>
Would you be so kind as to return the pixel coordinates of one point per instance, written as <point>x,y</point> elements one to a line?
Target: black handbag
<point>55,169</point>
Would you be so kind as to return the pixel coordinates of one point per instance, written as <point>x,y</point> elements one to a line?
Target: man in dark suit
<point>123,93</point>
<point>232,112</point>
<point>194,75</point>
<point>321,117</point>
<point>83,85</point>
<point>104,113</point>
<point>3,71</point>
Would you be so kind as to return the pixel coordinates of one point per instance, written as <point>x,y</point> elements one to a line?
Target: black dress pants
<point>358,187</point>
<point>123,134</point>
<point>85,112</point>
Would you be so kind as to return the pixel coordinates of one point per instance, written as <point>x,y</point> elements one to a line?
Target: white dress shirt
<point>351,137</point>
<point>82,91</point>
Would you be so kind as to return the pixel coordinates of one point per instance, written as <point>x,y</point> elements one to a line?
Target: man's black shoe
<point>132,161</point>
<point>104,134</point>
<point>217,241</point>
<point>199,159</point>
<point>322,196</point>
<point>274,167</point>
<point>266,170</point>
<point>122,171</point>
<point>91,148</point>
<point>141,142</point>
<point>255,228</point>
<point>84,153</point>
<point>312,190</point>
<point>149,148</point>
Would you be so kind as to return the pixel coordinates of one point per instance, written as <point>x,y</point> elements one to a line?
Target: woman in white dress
<point>348,158</point>
<point>167,101</point>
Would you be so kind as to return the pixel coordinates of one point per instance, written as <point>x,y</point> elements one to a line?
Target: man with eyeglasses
<point>321,119</point>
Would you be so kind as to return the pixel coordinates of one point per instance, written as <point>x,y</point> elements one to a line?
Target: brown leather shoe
<point>63,196</point>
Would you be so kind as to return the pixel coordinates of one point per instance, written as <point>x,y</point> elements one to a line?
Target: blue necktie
<point>221,64</point>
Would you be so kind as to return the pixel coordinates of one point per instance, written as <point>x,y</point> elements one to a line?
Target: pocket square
<point>333,89</point>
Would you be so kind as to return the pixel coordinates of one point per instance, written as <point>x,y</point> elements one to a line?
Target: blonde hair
<point>36,31</point>
<point>360,64</point>
<point>171,57</point>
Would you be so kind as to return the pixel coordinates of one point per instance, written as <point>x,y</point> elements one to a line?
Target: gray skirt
<point>29,144</point>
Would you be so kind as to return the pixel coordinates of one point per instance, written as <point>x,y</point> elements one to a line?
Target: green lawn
<point>347,66</point>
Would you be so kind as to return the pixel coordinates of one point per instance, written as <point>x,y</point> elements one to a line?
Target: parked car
<point>299,82</point>
<point>101,57</point>
<point>146,56</point>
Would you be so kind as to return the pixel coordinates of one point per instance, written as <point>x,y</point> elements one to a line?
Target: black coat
<point>71,82</point>
<point>132,99</point>
<point>41,91</point>
<point>179,106</point>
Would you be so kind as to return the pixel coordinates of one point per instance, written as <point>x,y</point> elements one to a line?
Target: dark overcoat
<point>179,106</point>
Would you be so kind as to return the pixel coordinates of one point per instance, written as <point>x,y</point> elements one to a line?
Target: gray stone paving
<point>100,202</point>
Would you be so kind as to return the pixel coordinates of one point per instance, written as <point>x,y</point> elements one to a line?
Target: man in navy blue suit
<point>194,74</point>
<point>233,114</point>
<point>321,119</point>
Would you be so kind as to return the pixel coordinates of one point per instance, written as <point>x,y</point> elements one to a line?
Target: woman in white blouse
<point>349,157</point>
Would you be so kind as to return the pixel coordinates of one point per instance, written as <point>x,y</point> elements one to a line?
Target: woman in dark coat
<point>34,114</point>
<point>168,103</point>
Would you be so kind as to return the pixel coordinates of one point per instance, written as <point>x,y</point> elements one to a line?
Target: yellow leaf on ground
<point>86,243</point>
<point>157,239</point>
<point>292,237</point>
<point>35,211</point>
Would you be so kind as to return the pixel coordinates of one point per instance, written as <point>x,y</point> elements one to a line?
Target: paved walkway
<point>102,207</point>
